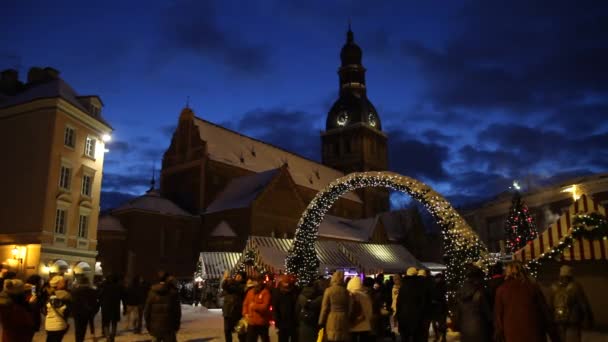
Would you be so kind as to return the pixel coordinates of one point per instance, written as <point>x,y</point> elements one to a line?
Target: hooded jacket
<point>358,293</point>
<point>162,311</point>
<point>334,309</point>
<point>256,307</point>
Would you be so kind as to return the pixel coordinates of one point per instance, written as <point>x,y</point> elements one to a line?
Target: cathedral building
<point>242,186</point>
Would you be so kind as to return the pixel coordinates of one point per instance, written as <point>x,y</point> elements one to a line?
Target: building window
<point>65,177</point>
<point>69,137</point>
<point>83,227</point>
<point>89,147</point>
<point>87,184</point>
<point>61,221</point>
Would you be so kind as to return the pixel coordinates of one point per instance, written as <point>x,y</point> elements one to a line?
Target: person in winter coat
<point>439,308</point>
<point>361,311</point>
<point>17,322</point>
<point>284,300</point>
<point>233,290</point>
<point>394,294</point>
<point>571,309</point>
<point>162,311</point>
<point>86,304</point>
<point>34,299</point>
<point>413,302</point>
<point>308,308</point>
<point>521,312</point>
<point>110,297</point>
<point>135,298</point>
<point>427,284</point>
<point>335,310</point>
<point>473,317</point>
<point>58,307</point>
<point>256,310</point>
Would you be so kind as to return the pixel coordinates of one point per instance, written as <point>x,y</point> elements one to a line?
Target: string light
<point>461,244</point>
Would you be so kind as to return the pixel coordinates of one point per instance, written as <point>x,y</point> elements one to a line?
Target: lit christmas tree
<point>200,270</point>
<point>520,226</point>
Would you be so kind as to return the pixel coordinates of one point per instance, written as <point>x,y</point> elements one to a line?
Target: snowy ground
<point>202,325</point>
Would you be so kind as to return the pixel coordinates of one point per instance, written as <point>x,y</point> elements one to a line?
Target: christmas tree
<point>520,226</point>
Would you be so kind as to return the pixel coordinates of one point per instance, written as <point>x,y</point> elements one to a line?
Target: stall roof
<point>215,263</point>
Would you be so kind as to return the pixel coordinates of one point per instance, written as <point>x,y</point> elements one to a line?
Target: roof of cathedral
<point>230,147</point>
<point>241,191</point>
<point>395,224</point>
<point>109,223</point>
<point>223,229</point>
<point>152,201</point>
<point>341,228</point>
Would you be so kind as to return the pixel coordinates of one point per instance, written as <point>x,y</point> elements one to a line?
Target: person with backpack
<point>308,308</point>
<point>58,308</point>
<point>361,311</point>
<point>335,310</point>
<point>571,309</point>
<point>85,306</point>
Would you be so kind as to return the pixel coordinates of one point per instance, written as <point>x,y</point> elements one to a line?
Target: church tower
<point>353,140</point>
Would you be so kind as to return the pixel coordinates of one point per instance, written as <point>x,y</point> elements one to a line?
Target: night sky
<point>472,94</point>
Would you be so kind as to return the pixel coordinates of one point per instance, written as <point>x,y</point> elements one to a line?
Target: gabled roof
<point>110,223</point>
<point>223,229</point>
<point>241,191</point>
<point>153,202</point>
<point>340,228</point>
<point>396,223</point>
<point>230,147</point>
<point>48,89</point>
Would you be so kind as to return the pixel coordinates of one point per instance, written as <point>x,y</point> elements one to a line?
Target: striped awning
<point>580,249</point>
<point>377,258</point>
<point>369,258</point>
<point>215,263</point>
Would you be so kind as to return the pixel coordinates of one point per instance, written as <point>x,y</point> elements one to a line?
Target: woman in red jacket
<point>256,310</point>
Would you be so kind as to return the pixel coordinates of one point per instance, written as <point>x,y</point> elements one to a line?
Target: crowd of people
<point>23,304</point>
<point>507,306</point>
<point>504,307</point>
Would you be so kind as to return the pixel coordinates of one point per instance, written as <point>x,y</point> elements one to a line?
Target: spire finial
<point>349,35</point>
<point>187,101</point>
<point>153,180</point>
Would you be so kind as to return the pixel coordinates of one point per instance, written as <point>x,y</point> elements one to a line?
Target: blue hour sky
<point>472,94</point>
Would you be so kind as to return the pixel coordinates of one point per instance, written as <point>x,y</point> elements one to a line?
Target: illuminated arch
<point>461,243</point>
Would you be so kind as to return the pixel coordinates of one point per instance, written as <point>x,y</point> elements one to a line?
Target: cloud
<point>113,199</point>
<point>292,130</point>
<point>415,158</point>
<point>124,182</point>
<point>195,27</point>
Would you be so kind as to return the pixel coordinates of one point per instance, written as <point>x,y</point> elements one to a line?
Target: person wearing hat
<point>58,309</point>
<point>17,322</point>
<point>571,309</point>
<point>335,310</point>
<point>413,302</point>
<point>256,310</point>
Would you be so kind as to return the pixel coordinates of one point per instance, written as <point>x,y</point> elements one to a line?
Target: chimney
<point>52,73</point>
<point>35,75</point>
<point>9,82</point>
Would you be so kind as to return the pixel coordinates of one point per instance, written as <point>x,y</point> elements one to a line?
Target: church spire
<point>350,37</point>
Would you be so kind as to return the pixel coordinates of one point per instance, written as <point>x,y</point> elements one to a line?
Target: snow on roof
<point>49,89</point>
<point>227,146</point>
<point>223,229</point>
<point>241,191</point>
<point>153,202</point>
<point>346,229</point>
<point>110,223</point>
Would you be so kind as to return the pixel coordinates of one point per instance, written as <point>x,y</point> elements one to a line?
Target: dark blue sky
<point>472,94</point>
